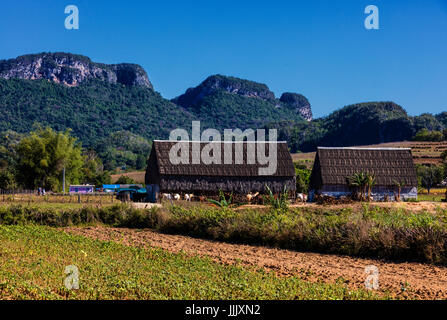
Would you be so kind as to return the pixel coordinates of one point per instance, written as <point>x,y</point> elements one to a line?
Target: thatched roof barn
<point>390,166</point>
<point>226,175</point>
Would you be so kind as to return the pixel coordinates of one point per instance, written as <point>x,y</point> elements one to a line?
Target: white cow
<point>167,196</point>
<point>301,197</point>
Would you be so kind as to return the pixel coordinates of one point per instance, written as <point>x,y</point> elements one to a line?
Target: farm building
<point>240,177</point>
<point>85,188</point>
<point>391,167</point>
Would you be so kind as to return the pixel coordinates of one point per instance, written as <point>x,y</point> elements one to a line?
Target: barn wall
<point>212,185</point>
<point>152,175</point>
<point>377,192</point>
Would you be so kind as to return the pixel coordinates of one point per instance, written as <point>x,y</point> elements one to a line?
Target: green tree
<point>8,141</point>
<point>141,162</point>
<point>125,180</point>
<point>124,148</point>
<point>42,156</point>
<point>7,180</point>
<point>302,178</point>
<point>426,135</point>
<point>444,162</point>
<point>429,176</point>
<point>93,170</point>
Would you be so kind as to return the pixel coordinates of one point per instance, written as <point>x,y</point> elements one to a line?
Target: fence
<point>19,195</point>
<point>17,191</point>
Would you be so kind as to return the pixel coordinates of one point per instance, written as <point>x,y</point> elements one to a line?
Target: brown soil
<point>145,205</point>
<point>400,280</point>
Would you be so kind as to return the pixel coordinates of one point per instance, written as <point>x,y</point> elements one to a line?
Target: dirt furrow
<point>404,280</point>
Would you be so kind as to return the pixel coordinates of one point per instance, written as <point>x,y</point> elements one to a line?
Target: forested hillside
<point>114,110</point>
<point>93,110</point>
<point>229,102</point>
<point>358,124</point>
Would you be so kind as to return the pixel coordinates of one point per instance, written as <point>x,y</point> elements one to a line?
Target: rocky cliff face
<point>213,84</point>
<point>216,83</point>
<point>71,70</point>
<point>297,102</point>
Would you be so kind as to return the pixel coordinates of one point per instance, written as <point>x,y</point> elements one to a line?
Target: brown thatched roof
<point>161,149</point>
<point>332,166</point>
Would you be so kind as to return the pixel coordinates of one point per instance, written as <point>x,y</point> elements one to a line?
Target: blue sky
<point>318,48</point>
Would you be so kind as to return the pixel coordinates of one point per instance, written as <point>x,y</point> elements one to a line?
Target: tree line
<point>38,159</point>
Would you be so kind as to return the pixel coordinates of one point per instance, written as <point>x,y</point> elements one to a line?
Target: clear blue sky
<point>318,48</point>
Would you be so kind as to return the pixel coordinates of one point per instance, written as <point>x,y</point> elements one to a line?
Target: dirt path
<point>404,280</point>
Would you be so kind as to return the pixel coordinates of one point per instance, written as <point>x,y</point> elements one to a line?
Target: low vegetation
<point>277,202</point>
<point>34,258</point>
<point>223,202</point>
<point>362,230</point>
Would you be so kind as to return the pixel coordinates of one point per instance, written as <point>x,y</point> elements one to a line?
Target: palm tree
<point>399,185</point>
<point>359,181</point>
<point>370,182</point>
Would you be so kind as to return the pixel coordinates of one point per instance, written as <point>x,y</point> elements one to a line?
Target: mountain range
<point>97,101</point>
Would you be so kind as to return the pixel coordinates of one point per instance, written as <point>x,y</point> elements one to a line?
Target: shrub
<point>125,180</point>
<point>426,135</point>
<point>279,201</point>
<point>223,201</point>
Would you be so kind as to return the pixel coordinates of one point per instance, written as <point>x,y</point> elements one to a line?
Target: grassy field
<point>363,230</point>
<point>433,197</point>
<point>33,260</point>
<point>95,199</point>
<point>137,176</point>
<point>34,249</point>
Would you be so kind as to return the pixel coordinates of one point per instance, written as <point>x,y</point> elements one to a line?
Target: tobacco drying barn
<point>207,179</point>
<point>390,166</point>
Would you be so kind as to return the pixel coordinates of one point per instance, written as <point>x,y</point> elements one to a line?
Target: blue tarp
<point>110,186</point>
